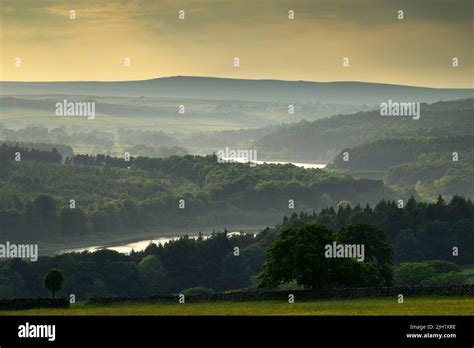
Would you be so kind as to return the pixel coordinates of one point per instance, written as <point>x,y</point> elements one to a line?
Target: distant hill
<point>325,138</point>
<point>382,154</point>
<point>236,89</point>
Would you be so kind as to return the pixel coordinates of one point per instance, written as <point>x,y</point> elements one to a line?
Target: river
<point>136,246</point>
<point>297,164</point>
<point>142,244</point>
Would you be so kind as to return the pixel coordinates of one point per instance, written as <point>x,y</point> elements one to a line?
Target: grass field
<point>440,305</point>
<point>22,118</point>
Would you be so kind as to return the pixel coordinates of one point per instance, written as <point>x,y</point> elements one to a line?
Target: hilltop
<point>208,88</point>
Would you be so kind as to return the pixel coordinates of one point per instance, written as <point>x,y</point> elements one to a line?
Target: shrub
<point>449,278</point>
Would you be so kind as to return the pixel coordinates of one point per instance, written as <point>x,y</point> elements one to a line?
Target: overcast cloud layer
<point>415,51</point>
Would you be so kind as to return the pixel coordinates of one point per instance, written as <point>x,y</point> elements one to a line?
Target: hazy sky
<point>417,50</point>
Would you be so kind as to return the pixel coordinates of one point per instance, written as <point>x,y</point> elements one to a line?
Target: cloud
<point>413,51</point>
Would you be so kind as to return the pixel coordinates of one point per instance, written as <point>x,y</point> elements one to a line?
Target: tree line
<point>330,135</point>
<point>419,239</point>
<point>102,194</point>
<point>385,153</point>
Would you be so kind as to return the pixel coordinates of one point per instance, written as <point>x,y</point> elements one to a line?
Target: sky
<point>416,50</point>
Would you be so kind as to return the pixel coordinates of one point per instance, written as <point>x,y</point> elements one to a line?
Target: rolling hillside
<point>205,88</point>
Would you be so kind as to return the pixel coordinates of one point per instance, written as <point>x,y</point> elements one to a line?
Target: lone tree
<point>299,255</point>
<point>53,281</point>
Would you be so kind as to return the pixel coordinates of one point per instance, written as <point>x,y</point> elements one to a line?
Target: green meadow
<point>432,305</point>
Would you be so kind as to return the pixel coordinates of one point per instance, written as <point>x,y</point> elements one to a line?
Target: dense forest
<point>47,192</point>
<point>42,198</point>
<point>64,150</point>
<point>420,236</point>
<point>385,153</point>
<point>417,230</point>
<point>324,139</point>
<point>435,173</point>
<point>423,166</point>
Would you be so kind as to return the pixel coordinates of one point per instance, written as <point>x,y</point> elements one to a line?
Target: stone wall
<point>29,303</point>
<point>300,295</point>
<point>454,290</point>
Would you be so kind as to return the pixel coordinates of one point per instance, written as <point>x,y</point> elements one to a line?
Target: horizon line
<point>232,78</point>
